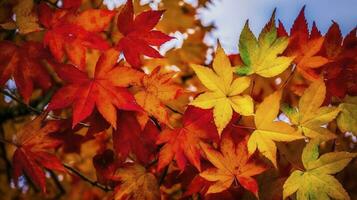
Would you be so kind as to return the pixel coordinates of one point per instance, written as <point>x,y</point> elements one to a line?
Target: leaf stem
<point>253,85</point>
<point>243,127</point>
<point>289,78</point>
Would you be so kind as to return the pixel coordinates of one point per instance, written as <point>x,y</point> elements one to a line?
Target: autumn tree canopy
<point>96,103</point>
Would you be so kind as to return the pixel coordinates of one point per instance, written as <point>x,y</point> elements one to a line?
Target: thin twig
<point>163,175</point>
<point>34,110</point>
<point>3,140</point>
<point>88,180</point>
<point>156,122</point>
<point>13,97</point>
<point>58,184</point>
<point>173,110</point>
<point>152,163</point>
<point>252,88</point>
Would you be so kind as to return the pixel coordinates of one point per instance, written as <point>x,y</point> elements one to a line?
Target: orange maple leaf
<point>182,144</point>
<point>157,89</point>
<point>106,90</point>
<point>304,46</point>
<point>70,33</point>
<point>233,163</point>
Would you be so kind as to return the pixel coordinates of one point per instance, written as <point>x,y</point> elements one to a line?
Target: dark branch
<point>86,179</point>
<point>58,184</point>
<point>32,109</point>
<point>163,175</point>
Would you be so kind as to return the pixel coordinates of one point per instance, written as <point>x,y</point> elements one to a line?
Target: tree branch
<point>163,175</point>
<point>173,110</point>
<point>58,184</point>
<point>86,179</point>
<point>32,109</point>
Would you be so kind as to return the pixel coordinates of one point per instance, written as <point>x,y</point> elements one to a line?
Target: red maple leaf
<point>25,65</point>
<point>341,72</point>
<point>138,36</point>
<point>304,47</point>
<point>182,144</point>
<point>32,154</point>
<point>106,90</point>
<point>129,138</point>
<point>71,4</point>
<point>70,33</point>
<point>105,165</point>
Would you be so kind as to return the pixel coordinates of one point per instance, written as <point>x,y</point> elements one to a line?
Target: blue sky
<point>230,15</point>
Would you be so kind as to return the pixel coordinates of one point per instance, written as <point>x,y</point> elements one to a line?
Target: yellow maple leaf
<point>317,182</point>
<point>310,117</point>
<point>224,93</point>
<point>347,119</point>
<point>268,131</point>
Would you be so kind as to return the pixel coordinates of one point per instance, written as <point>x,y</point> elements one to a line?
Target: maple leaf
<point>129,138</point>
<point>268,130</point>
<point>175,9</point>
<point>305,47</point>
<point>341,71</point>
<point>105,166</point>
<point>69,33</point>
<point>138,36</point>
<point>233,163</point>
<point>69,4</point>
<point>310,117</point>
<point>347,119</point>
<point>73,138</point>
<point>26,19</point>
<point>24,64</point>
<point>71,142</point>
<point>136,184</point>
<point>106,90</point>
<point>182,143</point>
<point>317,182</point>
<point>32,153</point>
<point>157,89</point>
<point>192,51</point>
<point>224,93</point>
<point>261,56</point>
